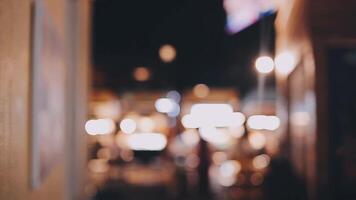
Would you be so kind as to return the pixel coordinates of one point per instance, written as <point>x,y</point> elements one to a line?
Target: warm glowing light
<point>300,118</point>
<point>147,141</point>
<point>256,179</point>
<point>175,111</point>
<point>214,136</point>
<point>219,157</point>
<point>98,165</point>
<point>230,168</point>
<point>190,137</point>
<point>261,161</point>
<point>160,120</point>
<point>165,105</point>
<point>264,64</point>
<point>216,120</point>
<point>236,131</point>
<point>201,90</point>
<point>100,126</point>
<point>167,53</point>
<point>128,125</point>
<point>189,122</point>
<point>227,181</point>
<point>141,74</point>
<point>228,172</point>
<point>257,140</point>
<point>146,124</point>
<point>107,110</point>
<point>263,122</point>
<point>216,115</point>
<point>285,63</point>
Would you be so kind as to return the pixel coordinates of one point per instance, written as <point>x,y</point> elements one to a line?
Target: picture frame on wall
<point>47,95</point>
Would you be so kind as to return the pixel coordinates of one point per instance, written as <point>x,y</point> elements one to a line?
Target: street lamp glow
<point>285,63</point>
<point>264,64</point>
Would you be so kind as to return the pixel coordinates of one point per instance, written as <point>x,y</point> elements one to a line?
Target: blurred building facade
<point>315,98</point>
<point>71,21</point>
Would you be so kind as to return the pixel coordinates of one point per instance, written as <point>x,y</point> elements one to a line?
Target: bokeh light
<point>236,131</point>
<point>146,124</point>
<point>98,165</point>
<point>100,126</point>
<point>128,125</point>
<point>219,157</point>
<point>167,53</point>
<point>263,122</point>
<point>165,105</point>
<point>230,168</point>
<point>147,141</point>
<point>264,64</point>
<point>142,74</point>
<point>261,161</point>
<point>257,140</point>
<point>214,136</point>
<point>201,90</point>
<point>174,95</point>
<point>190,137</point>
<point>285,63</point>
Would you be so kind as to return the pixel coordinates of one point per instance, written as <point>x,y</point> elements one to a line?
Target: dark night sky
<point>128,34</point>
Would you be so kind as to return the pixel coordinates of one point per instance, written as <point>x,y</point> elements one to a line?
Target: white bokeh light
<point>165,105</point>
<point>285,63</point>
<point>147,141</point>
<point>128,125</point>
<point>263,122</point>
<point>100,126</point>
<point>264,64</point>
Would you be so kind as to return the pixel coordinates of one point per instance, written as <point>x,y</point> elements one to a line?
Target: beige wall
<point>64,182</point>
